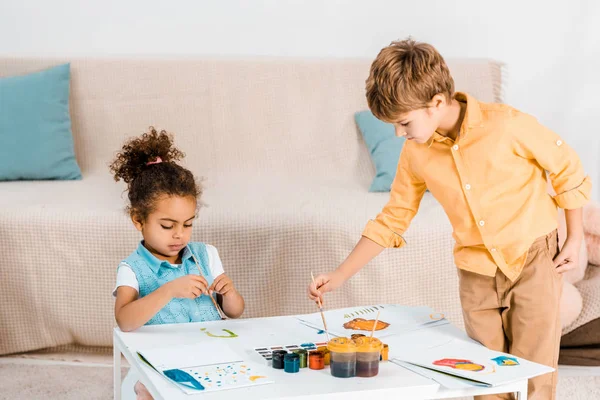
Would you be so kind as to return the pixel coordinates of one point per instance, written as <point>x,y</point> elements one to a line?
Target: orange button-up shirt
<point>492,184</point>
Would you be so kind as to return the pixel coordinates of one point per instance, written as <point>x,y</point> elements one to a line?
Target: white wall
<point>551,48</point>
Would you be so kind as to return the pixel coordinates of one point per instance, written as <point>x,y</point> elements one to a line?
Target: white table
<point>392,380</point>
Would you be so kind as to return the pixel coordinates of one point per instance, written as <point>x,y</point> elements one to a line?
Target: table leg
<point>116,370</point>
<point>522,392</point>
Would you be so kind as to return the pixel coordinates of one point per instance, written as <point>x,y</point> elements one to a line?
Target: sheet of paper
<point>393,319</point>
<point>475,362</point>
<point>203,367</point>
<point>446,380</point>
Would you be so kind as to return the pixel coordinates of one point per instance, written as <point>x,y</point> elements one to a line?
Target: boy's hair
<point>147,164</point>
<point>404,77</point>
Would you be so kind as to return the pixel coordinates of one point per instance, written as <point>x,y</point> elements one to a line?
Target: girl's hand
<point>222,285</point>
<point>189,287</point>
<point>568,258</point>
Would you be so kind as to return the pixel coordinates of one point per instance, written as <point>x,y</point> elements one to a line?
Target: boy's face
<point>168,229</point>
<point>418,125</point>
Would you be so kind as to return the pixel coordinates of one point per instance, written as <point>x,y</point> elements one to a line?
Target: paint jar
<point>326,354</point>
<point>316,360</point>
<point>343,357</point>
<point>385,353</point>
<point>278,358</point>
<point>303,356</point>
<point>291,363</point>
<point>368,351</point>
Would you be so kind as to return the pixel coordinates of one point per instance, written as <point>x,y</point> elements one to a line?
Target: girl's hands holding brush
<point>188,286</point>
<point>222,285</point>
<point>324,283</point>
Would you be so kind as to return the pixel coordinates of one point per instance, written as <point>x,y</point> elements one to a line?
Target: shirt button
<point>481,223</point>
<point>468,187</point>
<point>455,147</point>
<point>559,142</point>
<point>493,249</point>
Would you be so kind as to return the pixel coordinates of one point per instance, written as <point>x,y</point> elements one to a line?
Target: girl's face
<point>168,229</point>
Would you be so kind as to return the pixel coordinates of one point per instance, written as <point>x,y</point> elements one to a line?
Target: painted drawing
<point>361,324</point>
<point>504,361</point>
<point>393,319</point>
<point>464,365</point>
<point>224,376</point>
<point>228,334</point>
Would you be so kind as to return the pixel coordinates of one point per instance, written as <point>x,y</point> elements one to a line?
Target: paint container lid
<point>341,345</point>
<point>291,357</point>
<point>368,344</point>
<point>316,353</point>
<point>323,349</point>
<point>301,351</point>
<point>279,353</point>
<point>355,336</point>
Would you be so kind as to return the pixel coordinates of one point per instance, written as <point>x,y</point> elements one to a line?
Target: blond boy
<point>486,164</point>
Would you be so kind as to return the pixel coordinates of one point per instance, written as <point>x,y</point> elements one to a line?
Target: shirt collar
<point>472,119</point>
<point>155,263</point>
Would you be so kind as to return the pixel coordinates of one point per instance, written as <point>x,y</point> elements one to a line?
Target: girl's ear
<point>137,222</point>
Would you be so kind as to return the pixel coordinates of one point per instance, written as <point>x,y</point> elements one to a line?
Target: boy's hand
<point>324,283</point>
<point>189,286</point>
<point>222,285</point>
<point>568,258</point>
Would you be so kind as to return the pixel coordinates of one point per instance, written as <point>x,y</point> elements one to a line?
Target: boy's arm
<point>568,258</point>
<point>536,142</point>
<point>384,231</point>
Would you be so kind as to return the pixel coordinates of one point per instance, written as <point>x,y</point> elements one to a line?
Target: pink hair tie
<point>157,161</point>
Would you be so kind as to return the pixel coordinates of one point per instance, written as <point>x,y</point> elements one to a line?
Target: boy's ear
<point>438,100</point>
<point>137,221</point>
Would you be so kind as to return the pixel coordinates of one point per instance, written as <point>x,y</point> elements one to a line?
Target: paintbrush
<point>221,314</point>
<point>320,308</point>
<point>375,324</point>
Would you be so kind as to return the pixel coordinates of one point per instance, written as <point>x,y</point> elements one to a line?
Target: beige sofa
<point>286,185</point>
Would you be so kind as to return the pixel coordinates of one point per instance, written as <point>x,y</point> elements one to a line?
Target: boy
<point>486,164</point>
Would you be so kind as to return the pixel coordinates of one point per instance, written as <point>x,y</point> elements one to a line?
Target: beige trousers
<point>521,317</point>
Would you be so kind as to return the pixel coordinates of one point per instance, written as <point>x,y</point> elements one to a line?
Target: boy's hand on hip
<point>222,285</point>
<point>324,283</point>
<point>189,286</point>
<point>568,258</point>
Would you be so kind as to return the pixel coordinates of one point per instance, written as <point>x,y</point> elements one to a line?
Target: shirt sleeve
<point>214,261</point>
<point>405,197</point>
<point>126,277</point>
<point>536,142</point>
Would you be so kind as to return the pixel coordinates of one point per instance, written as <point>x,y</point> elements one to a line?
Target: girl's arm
<point>228,297</point>
<point>233,304</point>
<point>131,312</point>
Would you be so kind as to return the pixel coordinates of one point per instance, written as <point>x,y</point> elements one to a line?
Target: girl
<point>167,279</point>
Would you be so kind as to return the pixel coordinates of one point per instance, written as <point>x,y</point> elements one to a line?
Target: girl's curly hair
<point>147,164</point>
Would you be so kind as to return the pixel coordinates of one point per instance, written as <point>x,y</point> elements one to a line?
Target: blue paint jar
<point>291,363</point>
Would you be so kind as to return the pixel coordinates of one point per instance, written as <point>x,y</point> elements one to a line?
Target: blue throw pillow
<point>384,146</point>
<point>35,127</point>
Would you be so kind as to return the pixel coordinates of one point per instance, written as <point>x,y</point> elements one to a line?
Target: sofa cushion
<point>35,126</point>
<point>384,147</point>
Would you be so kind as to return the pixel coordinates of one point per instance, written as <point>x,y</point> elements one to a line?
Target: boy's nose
<point>400,132</point>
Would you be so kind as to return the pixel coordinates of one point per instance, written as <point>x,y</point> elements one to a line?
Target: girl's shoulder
<point>201,246</point>
<point>201,249</point>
